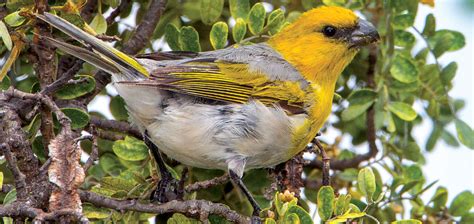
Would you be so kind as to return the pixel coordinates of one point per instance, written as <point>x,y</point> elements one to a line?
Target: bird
<point>243,107</point>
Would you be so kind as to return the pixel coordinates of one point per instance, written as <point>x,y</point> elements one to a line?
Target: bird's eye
<point>329,31</point>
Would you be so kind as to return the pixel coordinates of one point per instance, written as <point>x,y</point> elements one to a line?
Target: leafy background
<point>403,76</point>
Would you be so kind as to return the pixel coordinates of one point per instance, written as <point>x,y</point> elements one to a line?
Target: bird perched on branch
<point>238,108</point>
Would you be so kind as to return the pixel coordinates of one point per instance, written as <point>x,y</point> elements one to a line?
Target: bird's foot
<point>168,189</point>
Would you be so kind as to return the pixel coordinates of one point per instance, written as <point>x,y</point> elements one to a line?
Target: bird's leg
<point>167,189</point>
<point>256,208</point>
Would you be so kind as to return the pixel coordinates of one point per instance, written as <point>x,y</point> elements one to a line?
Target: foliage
<point>404,77</point>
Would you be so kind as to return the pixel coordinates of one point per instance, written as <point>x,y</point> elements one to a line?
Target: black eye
<point>329,31</point>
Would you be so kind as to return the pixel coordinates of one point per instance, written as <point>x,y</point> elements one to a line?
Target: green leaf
<point>239,30</point>
<point>467,218</point>
<point>462,203</point>
<point>345,217</point>
<point>117,108</point>
<point>172,34</point>
<point>189,39</point>
<point>130,149</point>
<point>79,118</point>
<point>407,221</point>
<point>92,212</point>
<point>354,111</point>
<point>430,25</point>
<point>291,218</point>
<point>178,218</point>
<point>402,110</point>
<point>256,19</point>
<point>10,197</point>
<point>5,36</point>
<point>99,24</point>
<point>362,96</point>
<point>211,10</point>
<point>5,83</point>
<point>303,216</point>
<point>218,35</point>
<point>275,21</point>
<point>14,19</point>
<point>465,133</point>
<point>366,183</point>
<point>404,39</point>
<point>440,198</point>
<point>453,40</point>
<point>448,72</point>
<point>239,8</point>
<point>449,138</point>
<point>73,18</point>
<point>412,151</point>
<point>404,69</point>
<point>339,205</point>
<point>325,202</point>
<point>116,184</point>
<point>403,21</point>
<point>71,91</point>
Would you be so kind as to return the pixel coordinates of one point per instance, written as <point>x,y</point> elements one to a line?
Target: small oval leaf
<point>218,35</point>
<point>465,133</point>
<point>404,69</point>
<point>402,110</point>
<point>74,90</point>
<point>14,19</point>
<point>366,183</point>
<point>130,149</point>
<point>189,39</point>
<point>256,18</point>
<point>7,40</point>
<point>211,10</point>
<point>239,8</point>
<point>172,34</point>
<point>99,24</point>
<point>239,30</point>
<point>325,202</point>
<point>79,118</point>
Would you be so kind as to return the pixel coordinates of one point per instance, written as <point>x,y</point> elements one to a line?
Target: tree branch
<point>113,125</point>
<point>207,183</point>
<point>191,207</point>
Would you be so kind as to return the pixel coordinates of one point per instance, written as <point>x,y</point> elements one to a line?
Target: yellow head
<point>323,41</point>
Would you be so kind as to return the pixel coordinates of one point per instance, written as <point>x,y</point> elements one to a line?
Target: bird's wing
<point>227,82</point>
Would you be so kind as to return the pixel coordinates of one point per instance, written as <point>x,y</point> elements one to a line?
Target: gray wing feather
<point>260,57</point>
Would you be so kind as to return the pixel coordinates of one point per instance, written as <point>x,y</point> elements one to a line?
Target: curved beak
<point>363,35</point>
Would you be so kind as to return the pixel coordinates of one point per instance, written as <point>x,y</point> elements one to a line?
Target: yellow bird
<point>238,108</point>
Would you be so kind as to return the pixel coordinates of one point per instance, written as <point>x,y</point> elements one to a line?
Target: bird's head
<point>322,41</point>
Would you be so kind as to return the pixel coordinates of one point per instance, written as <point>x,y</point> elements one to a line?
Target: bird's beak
<point>363,35</point>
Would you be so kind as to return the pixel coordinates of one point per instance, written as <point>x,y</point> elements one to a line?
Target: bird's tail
<point>103,56</point>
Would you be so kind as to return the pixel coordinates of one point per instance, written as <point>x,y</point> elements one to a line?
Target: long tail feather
<point>127,65</point>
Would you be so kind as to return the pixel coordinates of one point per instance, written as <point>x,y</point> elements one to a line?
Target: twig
<point>95,151</point>
<point>146,27</point>
<point>190,207</point>
<point>116,126</point>
<point>207,183</point>
<point>326,162</point>
<point>69,74</point>
<point>117,11</point>
<point>12,164</point>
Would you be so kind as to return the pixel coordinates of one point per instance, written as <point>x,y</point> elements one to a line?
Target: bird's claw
<point>168,189</point>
